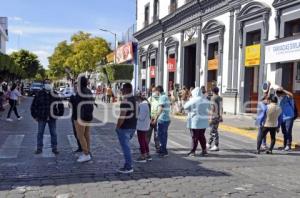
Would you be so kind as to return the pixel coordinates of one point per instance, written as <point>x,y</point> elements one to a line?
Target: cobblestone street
<point>235,171</point>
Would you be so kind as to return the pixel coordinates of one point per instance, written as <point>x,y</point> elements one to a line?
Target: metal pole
<point>115,57</point>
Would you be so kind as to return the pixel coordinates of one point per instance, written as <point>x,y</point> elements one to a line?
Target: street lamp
<point>115,35</point>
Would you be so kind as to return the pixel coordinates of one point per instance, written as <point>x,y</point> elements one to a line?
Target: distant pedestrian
<point>1,96</point>
<point>163,121</point>
<point>13,96</point>
<point>41,111</point>
<point>154,103</point>
<point>270,123</point>
<point>290,113</point>
<point>215,119</point>
<point>198,114</point>
<point>262,106</point>
<point>109,94</point>
<point>143,126</point>
<point>126,125</point>
<point>74,105</point>
<point>84,104</point>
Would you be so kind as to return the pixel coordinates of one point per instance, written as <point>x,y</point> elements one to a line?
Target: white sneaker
<point>20,118</point>
<point>9,120</point>
<point>84,158</point>
<point>208,146</point>
<point>214,148</point>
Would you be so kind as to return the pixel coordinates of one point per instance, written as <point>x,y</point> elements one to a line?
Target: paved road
<point>235,171</point>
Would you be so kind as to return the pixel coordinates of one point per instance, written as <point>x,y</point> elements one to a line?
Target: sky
<point>38,25</point>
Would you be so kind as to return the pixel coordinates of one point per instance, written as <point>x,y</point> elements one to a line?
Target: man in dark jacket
<point>42,113</point>
<point>84,107</point>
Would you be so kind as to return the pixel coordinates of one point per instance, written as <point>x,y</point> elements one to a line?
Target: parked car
<point>26,89</point>
<point>35,88</point>
<point>66,93</point>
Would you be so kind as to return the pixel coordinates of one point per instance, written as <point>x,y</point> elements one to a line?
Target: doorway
<point>251,89</point>
<point>189,77</point>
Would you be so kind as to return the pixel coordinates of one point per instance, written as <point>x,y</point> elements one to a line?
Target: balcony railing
<point>172,8</point>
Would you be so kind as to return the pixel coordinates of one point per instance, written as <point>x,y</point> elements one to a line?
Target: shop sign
<point>171,64</point>
<point>252,55</point>
<point>125,53</point>
<point>213,64</point>
<point>152,71</point>
<point>283,52</point>
<point>143,74</point>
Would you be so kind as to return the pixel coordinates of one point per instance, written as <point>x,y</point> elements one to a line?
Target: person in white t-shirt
<point>13,96</point>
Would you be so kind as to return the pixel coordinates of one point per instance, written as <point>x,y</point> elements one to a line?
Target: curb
<point>242,132</point>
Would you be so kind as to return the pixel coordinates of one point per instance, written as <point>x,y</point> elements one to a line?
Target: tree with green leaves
<point>80,55</point>
<point>27,62</point>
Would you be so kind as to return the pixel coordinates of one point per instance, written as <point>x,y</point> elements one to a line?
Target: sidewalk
<point>244,125</point>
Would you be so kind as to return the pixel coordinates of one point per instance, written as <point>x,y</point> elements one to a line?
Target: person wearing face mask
<point>154,103</point>
<point>74,102</point>
<point>41,111</point>
<point>289,111</point>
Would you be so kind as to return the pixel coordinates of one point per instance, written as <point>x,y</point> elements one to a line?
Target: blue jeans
<point>41,129</point>
<point>287,128</point>
<point>162,132</point>
<point>264,140</point>
<point>125,135</point>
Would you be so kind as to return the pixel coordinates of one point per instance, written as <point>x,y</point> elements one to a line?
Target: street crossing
<point>179,142</point>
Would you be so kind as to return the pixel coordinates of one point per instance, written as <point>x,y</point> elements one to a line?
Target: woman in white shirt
<point>143,126</point>
<point>13,96</point>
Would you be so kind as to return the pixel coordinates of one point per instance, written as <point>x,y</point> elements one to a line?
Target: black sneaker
<point>269,152</point>
<point>55,151</point>
<point>204,153</point>
<point>257,152</point>
<point>38,151</point>
<point>149,158</point>
<point>163,155</point>
<point>125,170</point>
<point>78,151</point>
<point>141,160</point>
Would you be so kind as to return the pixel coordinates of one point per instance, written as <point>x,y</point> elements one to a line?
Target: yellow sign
<point>213,64</point>
<point>110,57</point>
<point>252,56</point>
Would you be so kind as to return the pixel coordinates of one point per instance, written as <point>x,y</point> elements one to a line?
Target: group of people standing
<point>276,110</point>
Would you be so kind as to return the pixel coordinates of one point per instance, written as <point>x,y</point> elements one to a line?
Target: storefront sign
<point>125,53</point>
<point>252,55</point>
<point>213,64</point>
<point>172,65</point>
<point>283,52</point>
<point>152,71</point>
<point>143,74</point>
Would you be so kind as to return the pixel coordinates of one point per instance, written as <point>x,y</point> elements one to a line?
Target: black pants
<point>198,136</point>
<point>13,107</point>
<point>263,134</point>
<point>75,134</point>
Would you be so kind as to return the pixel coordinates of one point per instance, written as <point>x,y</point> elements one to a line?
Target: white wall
<point>163,10</point>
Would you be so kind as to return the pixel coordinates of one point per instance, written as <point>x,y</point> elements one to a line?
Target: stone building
<point>232,42</point>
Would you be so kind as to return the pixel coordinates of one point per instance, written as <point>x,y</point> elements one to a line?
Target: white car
<point>66,93</point>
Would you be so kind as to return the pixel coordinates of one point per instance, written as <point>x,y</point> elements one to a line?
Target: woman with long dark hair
<point>13,96</point>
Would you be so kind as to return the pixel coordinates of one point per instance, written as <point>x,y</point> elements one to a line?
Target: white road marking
<point>11,147</point>
<point>72,142</point>
<point>47,150</point>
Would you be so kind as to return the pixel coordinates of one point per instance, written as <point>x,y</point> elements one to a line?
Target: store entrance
<point>189,78</point>
<point>251,89</point>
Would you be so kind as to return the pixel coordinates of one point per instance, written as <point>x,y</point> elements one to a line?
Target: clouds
<point>43,56</point>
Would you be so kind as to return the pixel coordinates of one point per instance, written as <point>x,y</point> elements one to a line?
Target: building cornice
<point>279,4</point>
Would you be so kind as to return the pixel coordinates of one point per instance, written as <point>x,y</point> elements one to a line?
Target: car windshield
<point>37,85</point>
